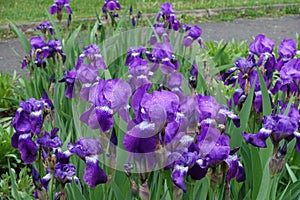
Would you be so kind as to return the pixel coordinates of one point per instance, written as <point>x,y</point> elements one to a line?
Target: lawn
<point>20,11</point>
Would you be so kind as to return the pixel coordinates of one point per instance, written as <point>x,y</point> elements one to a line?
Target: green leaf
<point>291,173</point>
<point>267,107</point>
<point>117,191</point>
<point>22,37</point>
<point>54,25</point>
<point>265,182</point>
<point>292,192</point>
<point>287,110</point>
<point>257,171</point>
<point>237,138</point>
<point>14,189</point>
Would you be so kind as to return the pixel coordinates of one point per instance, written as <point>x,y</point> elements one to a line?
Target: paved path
<point>11,52</point>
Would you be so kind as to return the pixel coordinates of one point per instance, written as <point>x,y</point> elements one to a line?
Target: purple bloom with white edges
<point>141,138</point>
<point>88,150</point>
<point>58,6</point>
<point>40,50</point>
<point>178,175</point>
<point>246,73</point>
<point>194,34</point>
<point>93,174</point>
<point>63,173</point>
<point>69,79</point>
<point>28,121</point>
<point>85,147</point>
<point>44,26</point>
<point>220,151</point>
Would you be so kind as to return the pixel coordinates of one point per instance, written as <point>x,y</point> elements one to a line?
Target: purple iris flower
<point>141,138</point>
<point>134,54</point>
<point>29,117</point>
<point>44,26</point>
<point>289,77</point>
<point>28,121</point>
<point>261,45</point>
<point>87,72</point>
<point>235,169</point>
<point>63,173</point>
<point>111,5</point>
<point>167,13</point>
<point>277,127</point>
<point>246,74</point>
<point>174,83</point>
<point>27,148</point>
<point>287,49</point>
<point>163,53</point>
<point>140,73</point>
<point>69,79</point>
<point>210,109</point>
<point>194,34</point>
<point>41,50</point>
<point>88,150</point>
<point>107,98</point>
<point>50,140</point>
<point>263,48</point>
<point>58,6</point>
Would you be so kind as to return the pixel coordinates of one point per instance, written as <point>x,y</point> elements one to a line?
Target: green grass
<point>19,11</point>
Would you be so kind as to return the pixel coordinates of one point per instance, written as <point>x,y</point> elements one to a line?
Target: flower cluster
<point>263,58</point>
<point>41,50</point>
<point>277,126</point>
<point>28,124</point>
